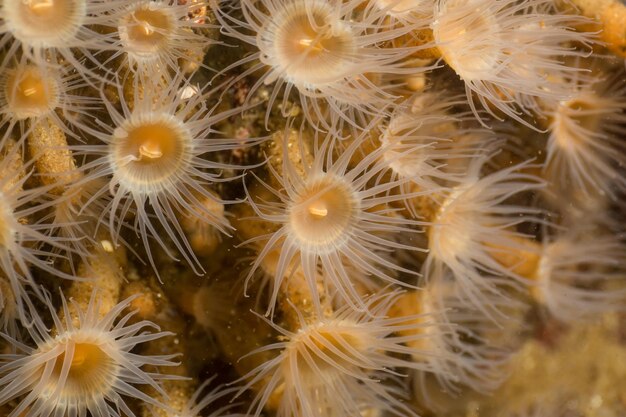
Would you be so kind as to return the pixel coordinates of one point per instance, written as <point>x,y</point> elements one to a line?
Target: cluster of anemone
<point>408,177</point>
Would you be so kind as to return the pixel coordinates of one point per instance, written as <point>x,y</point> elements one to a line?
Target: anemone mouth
<point>468,39</point>
<point>46,23</point>
<point>83,368</point>
<point>327,348</point>
<point>31,92</point>
<point>574,118</point>
<point>307,46</point>
<point>146,29</point>
<point>323,214</point>
<point>150,152</point>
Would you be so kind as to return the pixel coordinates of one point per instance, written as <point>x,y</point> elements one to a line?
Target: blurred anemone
<point>580,277</point>
<point>586,151</point>
<point>475,225</point>
<point>509,52</point>
<point>343,364</point>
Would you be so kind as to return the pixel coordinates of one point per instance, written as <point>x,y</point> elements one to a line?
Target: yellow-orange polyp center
<point>29,92</point>
<point>146,153</point>
<point>309,48</point>
<point>323,213</point>
<point>48,23</point>
<point>90,370</point>
<point>86,363</point>
<point>146,30</point>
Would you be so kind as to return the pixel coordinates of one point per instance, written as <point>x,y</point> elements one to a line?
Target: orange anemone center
<point>30,93</point>
<point>146,30</point>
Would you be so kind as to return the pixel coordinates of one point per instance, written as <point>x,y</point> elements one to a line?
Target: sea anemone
<point>31,92</point>
<point>161,156</point>
<point>334,217</point>
<point>39,27</point>
<point>508,52</point>
<point>586,150</point>
<point>474,225</point>
<point>155,35</point>
<point>330,52</point>
<point>340,365</point>
<point>86,365</point>
<point>579,276</point>
<point>460,334</point>
<point>425,142</point>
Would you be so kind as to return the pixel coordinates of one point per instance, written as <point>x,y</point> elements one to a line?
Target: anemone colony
<point>308,208</point>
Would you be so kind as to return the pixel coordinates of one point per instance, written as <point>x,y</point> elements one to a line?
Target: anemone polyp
<point>38,29</point>
<point>158,159</point>
<point>86,366</point>
<point>146,152</point>
<point>156,34</point>
<point>456,332</point>
<point>309,47</point>
<point>44,23</point>
<point>474,225</point>
<point>585,150</point>
<point>330,52</point>
<point>322,216</point>
<point>340,365</point>
<point>578,277</point>
<point>332,219</point>
<point>452,36</point>
<point>34,92</point>
<point>423,141</point>
<point>30,92</point>
<point>508,54</point>
<point>145,29</point>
